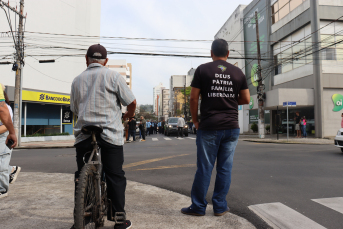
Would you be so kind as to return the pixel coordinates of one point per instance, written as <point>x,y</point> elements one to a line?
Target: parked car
<point>339,139</point>
<point>171,127</point>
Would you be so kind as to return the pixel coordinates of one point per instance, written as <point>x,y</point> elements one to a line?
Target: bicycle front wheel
<point>86,212</point>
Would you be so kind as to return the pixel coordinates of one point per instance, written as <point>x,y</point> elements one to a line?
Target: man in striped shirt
<point>96,98</point>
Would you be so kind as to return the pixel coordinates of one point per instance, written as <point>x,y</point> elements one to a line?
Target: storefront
<point>44,112</point>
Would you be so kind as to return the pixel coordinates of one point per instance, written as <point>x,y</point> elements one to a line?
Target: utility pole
<point>260,84</point>
<point>184,90</point>
<point>18,68</point>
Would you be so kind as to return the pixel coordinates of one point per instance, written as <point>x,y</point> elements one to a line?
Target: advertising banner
<point>45,97</point>
<point>67,117</point>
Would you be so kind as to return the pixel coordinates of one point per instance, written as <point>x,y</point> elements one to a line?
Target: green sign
<point>337,102</point>
<point>251,104</point>
<point>250,45</point>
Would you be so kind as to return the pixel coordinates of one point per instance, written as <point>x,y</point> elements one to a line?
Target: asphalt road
<point>262,173</point>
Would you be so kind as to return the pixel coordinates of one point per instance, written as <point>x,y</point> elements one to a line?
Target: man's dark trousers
<point>143,134</point>
<point>112,158</point>
<point>180,131</point>
<point>133,133</point>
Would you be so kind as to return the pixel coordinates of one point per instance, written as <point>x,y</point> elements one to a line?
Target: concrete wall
<point>332,120</point>
<point>294,74</point>
<point>61,17</point>
<point>331,2</point>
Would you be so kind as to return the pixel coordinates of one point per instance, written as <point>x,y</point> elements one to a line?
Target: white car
<point>339,139</point>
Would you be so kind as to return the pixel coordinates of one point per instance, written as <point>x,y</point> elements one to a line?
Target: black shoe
<point>125,225</point>
<point>190,211</point>
<point>14,175</point>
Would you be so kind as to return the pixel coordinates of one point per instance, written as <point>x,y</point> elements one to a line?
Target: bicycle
<point>91,202</point>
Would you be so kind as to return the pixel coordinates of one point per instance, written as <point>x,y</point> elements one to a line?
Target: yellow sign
<point>45,97</point>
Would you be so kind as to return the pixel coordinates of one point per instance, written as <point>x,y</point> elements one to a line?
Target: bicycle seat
<point>88,129</point>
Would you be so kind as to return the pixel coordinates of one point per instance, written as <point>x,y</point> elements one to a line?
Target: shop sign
<point>253,118</point>
<point>251,104</point>
<point>67,117</point>
<point>45,97</point>
<point>337,102</point>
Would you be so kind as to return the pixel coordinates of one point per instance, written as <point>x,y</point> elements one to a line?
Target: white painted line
<point>191,138</point>
<point>154,139</point>
<point>335,203</point>
<point>179,138</point>
<point>168,139</point>
<point>278,215</point>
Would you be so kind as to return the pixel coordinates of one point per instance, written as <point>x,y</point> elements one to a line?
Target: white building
<point>156,93</point>
<point>231,32</point>
<point>43,81</point>
<point>164,103</point>
<point>123,68</point>
<point>177,82</point>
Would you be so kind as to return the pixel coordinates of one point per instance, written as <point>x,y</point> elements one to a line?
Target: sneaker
<point>190,211</point>
<point>142,140</point>
<point>222,213</point>
<point>125,225</point>
<point>14,175</point>
<point>3,194</point>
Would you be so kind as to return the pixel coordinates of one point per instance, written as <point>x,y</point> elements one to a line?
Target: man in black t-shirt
<point>222,87</point>
<point>132,129</point>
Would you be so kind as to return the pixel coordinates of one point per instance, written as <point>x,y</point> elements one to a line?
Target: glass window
<point>295,3</point>
<point>275,8</point>
<point>275,18</point>
<point>329,54</point>
<point>282,3</point>
<point>308,45</point>
<point>284,11</point>
<point>327,40</point>
<point>339,48</point>
<point>298,62</point>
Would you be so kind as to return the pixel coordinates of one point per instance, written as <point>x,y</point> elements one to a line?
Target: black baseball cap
<point>97,52</point>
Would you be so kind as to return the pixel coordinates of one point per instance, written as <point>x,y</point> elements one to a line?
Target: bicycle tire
<point>86,212</point>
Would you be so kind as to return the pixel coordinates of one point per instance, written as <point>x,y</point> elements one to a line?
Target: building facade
<point>123,68</point>
<point>301,62</point>
<point>156,94</point>
<point>176,99</point>
<point>165,103</point>
<point>46,86</point>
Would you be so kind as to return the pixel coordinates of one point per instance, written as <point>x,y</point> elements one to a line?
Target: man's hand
<point>196,124</point>
<point>127,115</point>
<point>14,139</point>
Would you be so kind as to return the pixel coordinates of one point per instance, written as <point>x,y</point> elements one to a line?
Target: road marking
<point>335,203</point>
<point>179,138</point>
<point>151,160</point>
<point>167,167</point>
<point>191,138</point>
<point>278,215</point>
<point>154,139</point>
<point>168,139</point>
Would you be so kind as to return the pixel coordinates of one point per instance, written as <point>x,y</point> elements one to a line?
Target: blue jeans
<point>211,146</point>
<point>5,168</point>
<point>303,127</point>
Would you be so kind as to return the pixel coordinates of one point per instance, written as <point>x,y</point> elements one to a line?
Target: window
<point>283,7</point>
<point>127,77</point>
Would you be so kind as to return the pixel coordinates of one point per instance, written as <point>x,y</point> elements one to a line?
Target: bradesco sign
<point>45,97</point>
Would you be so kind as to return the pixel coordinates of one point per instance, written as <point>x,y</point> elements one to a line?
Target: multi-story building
<point>123,68</point>
<point>156,93</point>
<point>46,86</point>
<point>164,103</point>
<point>301,61</point>
<point>176,100</point>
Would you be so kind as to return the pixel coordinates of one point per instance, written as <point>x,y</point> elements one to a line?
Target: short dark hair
<point>220,47</point>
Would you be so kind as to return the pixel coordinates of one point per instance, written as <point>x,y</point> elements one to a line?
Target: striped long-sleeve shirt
<point>96,98</point>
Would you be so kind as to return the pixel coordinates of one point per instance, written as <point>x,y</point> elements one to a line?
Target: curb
<point>43,147</point>
<point>285,142</point>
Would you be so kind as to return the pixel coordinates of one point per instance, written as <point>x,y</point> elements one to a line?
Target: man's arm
<point>194,100</point>
<point>244,97</point>
<point>130,110</point>
<point>7,121</point>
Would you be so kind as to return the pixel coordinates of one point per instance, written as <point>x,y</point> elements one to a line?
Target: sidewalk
<point>47,144</point>
<point>283,139</point>
<point>40,200</point>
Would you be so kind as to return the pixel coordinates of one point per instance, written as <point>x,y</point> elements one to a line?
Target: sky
<point>162,19</point>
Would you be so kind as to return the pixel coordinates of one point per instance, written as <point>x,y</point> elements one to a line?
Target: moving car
<point>339,139</point>
<point>171,127</point>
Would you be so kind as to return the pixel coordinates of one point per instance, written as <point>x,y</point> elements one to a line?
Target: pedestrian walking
<point>143,123</point>
<point>152,127</point>
<point>163,124</point>
<point>303,126</point>
<point>180,125</point>
<point>126,128</point>
<point>222,87</point>
<point>297,124</point>
<point>148,126</point>
<point>8,174</point>
<point>132,129</point>
<point>96,82</point>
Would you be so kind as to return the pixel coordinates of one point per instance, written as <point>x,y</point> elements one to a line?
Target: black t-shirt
<point>219,83</point>
<point>297,119</point>
<point>132,125</point>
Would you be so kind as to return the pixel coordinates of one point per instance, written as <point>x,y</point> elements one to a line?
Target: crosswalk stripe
<point>335,203</point>
<point>155,139</point>
<point>179,138</point>
<point>167,139</point>
<point>191,138</point>
<point>278,215</point>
